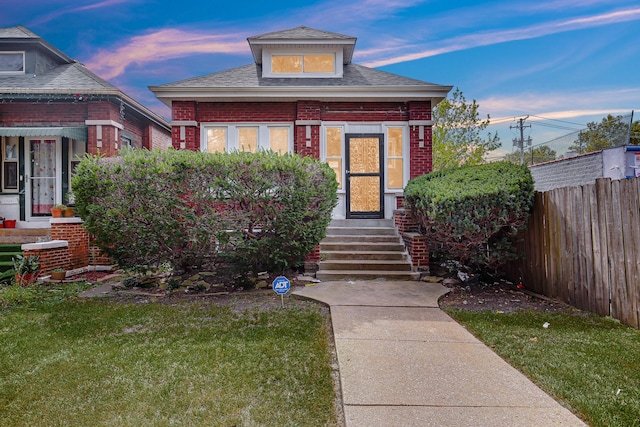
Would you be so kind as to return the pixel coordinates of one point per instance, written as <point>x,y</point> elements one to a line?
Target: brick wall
<point>570,172</point>
<point>414,242</point>
<point>50,258</point>
<point>43,114</point>
<point>74,233</point>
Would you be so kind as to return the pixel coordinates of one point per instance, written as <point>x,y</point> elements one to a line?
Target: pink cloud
<point>160,46</point>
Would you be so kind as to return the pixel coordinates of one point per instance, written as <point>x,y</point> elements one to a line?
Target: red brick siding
<point>246,112</point>
<point>50,259</point>
<point>43,114</point>
<point>78,239</point>
<point>365,111</point>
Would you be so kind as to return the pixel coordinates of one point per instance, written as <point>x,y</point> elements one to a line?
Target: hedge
<point>473,214</point>
<point>231,212</point>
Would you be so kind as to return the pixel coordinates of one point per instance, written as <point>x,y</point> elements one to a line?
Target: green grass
<point>590,363</point>
<point>100,363</point>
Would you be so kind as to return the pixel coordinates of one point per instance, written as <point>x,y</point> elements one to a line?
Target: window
<point>248,139</point>
<point>279,139</point>
<point>333,138</point>
<point>322,62</point>
<point>218,138</point>
<point>11,62</point>
<point>308,63</point>
<point>394,158</point>
<point>10,163</point>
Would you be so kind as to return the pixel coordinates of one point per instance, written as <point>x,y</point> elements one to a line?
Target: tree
<point>457,138</point>
<point>610,132</point>
<point>538,155</point>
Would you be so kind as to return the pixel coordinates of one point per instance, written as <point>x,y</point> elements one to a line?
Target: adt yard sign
<point>281,285</point>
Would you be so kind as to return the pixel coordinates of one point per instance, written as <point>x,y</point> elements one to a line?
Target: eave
<point>434,93</point>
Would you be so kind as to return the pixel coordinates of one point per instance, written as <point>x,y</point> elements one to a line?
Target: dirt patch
<point>500,296</point>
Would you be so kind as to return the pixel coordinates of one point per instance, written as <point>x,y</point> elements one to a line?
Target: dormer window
<point>296,64</point>
<point>302,64</point>
<point>11,62</point>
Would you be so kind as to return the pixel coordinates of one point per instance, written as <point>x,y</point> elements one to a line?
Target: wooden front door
<point>364,175</point>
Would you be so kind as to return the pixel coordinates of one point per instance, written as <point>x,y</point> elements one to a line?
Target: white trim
<point>232,133</point>
<point>24,63</point>
<point>52,244</point>
<point>420,122</point>
<point>431,93</point>
<point>308,122</point>
<point>103,123</point>
<point>184,123</point>
<point>269,52</point>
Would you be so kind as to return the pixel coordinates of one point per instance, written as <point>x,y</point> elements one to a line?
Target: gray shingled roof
<point>301,33</point>
<point>69,78</point>
<point>17,33</point>
<point>249,76</point>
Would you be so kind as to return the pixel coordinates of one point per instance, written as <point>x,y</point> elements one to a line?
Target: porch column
<point>307,133</point>
<point>103,137</point>
<point>420,141</point>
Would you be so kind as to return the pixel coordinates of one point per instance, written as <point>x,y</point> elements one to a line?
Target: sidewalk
<point>404,362</point>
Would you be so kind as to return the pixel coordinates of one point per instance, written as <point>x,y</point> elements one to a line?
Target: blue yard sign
<point>281,285</point>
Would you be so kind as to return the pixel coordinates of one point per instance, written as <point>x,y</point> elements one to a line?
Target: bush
<point>238,212</point>
<point>473,214</point>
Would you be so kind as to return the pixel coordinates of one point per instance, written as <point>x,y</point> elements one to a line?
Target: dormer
<point>302,52</point>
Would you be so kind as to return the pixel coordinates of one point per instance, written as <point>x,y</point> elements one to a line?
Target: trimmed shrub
<point>233,212</point>
<point>473,214</point>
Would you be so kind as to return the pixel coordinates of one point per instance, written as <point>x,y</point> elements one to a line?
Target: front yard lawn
<point>590,363</point>
<point>108,363</point>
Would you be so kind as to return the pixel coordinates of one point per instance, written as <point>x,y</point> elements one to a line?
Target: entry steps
<point>7,252</point>
<point>364,249</point>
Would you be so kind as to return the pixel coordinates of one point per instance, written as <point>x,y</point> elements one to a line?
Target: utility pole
<point>520,143</point>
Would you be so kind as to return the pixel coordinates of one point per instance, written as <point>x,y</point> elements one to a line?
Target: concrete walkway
<point>404,362</point>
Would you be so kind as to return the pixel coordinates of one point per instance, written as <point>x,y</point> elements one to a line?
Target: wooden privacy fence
<point>583,246</point>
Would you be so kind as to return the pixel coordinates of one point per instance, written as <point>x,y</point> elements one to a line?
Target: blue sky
<point>563,63</point>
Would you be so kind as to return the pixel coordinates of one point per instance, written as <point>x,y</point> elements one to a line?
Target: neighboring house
<point>53,110</point>
<point>304,95</point>
<point>614,163</point>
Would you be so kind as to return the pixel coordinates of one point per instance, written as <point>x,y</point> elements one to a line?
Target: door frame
<point>27,173</point>
<point>362,215</point>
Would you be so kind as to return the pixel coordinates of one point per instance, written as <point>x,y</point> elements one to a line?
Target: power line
<point>558,120</point>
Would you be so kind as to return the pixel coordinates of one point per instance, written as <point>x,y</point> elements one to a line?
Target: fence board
<point>583,246</point>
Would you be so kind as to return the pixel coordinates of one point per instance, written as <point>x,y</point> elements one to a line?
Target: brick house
<point>52,111</point>
<point>303,94</point>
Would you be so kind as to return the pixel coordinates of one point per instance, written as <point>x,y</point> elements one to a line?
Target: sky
<point>560,64</point>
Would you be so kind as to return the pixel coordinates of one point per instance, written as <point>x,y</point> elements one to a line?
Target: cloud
<point>160,46</point>
<point>494,37</point>
<point>61,12</point>
<point>577,104</point>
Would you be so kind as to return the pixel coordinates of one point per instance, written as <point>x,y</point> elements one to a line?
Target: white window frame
<point>232,134</point>
<point>372,127</point>
<point>13,160</point>
<point>24,66</point>
<point>268,53</point>
<point>323,149</point>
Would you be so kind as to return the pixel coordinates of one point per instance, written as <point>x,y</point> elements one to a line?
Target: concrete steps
<point>363,250</point>
<point>7,252</point>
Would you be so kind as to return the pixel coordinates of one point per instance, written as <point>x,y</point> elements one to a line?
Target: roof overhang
<point>347,47</point>
<point>74,132</point>
<point>433,93</point>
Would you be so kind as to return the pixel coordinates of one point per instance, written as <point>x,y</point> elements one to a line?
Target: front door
<point>43,176</point>
<point>364,177</point>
